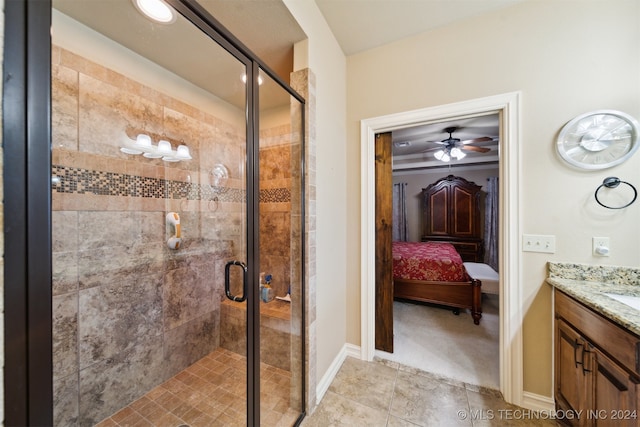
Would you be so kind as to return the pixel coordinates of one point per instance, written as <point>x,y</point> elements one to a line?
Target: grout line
<point>393,393</point>
<point>468,409</point>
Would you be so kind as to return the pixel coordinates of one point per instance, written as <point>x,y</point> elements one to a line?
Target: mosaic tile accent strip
<point>275,195</point>
<point>83,181</point>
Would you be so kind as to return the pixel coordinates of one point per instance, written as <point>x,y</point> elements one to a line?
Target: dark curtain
<point>491,224</point>
<point>399,212</point>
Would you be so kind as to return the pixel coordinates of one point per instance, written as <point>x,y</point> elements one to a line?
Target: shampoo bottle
<point>267,291</point>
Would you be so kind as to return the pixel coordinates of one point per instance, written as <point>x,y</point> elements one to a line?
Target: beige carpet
<point>433,339</point>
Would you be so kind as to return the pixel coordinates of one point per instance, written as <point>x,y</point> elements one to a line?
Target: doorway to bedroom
<point>511,305</point>
<point>428,335</point>
<point>443,191</point>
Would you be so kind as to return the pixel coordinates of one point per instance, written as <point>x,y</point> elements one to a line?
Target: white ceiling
<point>359,25</point>
<point>425,140</point>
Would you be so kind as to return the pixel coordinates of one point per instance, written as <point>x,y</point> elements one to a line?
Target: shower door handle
<point>227,290</point>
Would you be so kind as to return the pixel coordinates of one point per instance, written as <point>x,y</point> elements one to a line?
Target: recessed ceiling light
<point>157,10</point>
<point>399,144</point>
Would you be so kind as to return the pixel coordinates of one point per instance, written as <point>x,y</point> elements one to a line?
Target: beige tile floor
<point>380,393</point>
<point>210,393</point>
<point>383,393</point>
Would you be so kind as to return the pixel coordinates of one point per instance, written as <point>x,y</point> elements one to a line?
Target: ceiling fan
<point>452,147</point>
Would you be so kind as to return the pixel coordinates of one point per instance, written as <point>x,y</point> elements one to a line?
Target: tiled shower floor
<point>209,393</point>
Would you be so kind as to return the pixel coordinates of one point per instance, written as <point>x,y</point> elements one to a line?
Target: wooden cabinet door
<point>615,394</point>
<point>572,381</point>
<point>439,212</point>
<point>464,206</point>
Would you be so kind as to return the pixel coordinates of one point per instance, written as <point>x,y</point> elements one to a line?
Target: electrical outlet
<point>538,243</point>
<point>601,246</point>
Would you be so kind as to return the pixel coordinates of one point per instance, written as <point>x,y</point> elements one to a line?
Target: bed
<point>434,272</point>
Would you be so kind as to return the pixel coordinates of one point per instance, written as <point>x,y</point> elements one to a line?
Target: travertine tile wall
<point>275,210</point>
<point>129,312</point>
<point>304,82</point>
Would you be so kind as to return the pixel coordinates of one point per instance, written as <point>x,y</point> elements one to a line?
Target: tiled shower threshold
<point>211,392</point>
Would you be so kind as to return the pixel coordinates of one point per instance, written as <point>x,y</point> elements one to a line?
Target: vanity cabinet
<point>597,367</point>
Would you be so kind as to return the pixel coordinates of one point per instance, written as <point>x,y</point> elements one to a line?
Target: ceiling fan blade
<point>431,149</point>
<point>482,139</point>
<point>438,147</point>
<point>474,148</point>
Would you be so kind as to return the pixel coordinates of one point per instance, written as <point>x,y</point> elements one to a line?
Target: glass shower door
<point>281,153</point>
<point>149,218</point>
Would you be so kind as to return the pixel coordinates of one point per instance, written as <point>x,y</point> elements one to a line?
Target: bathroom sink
<point>629,300</point>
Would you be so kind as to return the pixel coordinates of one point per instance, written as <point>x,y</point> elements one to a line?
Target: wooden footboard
<point>451,294</point>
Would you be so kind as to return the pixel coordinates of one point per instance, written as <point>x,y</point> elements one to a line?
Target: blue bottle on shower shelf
<point>266,293</point>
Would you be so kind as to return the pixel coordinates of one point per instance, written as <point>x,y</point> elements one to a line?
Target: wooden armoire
<point>451,213</point>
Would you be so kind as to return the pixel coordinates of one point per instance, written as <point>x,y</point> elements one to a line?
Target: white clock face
<point>598,140</point>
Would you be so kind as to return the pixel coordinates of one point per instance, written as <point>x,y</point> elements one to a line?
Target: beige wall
<point>567,58</point>
<point>326,60</point>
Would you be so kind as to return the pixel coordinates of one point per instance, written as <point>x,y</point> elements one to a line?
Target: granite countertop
<point>589,283</point>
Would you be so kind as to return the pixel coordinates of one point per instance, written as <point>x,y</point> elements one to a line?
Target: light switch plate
<point>539,243</point>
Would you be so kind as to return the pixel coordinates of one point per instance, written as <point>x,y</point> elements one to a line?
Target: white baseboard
<point>537,402</point>
<point>350,350</point>
<point>327,378</point>
<point>354,351</point>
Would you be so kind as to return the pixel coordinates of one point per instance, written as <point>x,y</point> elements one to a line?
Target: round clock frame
<point>599,139</point>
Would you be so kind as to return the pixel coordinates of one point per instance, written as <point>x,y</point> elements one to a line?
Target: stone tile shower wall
<point>128,312</point>
<point>304,82</point>
<point>275,206</point>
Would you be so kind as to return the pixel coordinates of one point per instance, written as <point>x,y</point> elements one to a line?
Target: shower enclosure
<point>176,224</point>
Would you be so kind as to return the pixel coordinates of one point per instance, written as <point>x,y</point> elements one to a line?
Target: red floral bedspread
<point>428,261</point>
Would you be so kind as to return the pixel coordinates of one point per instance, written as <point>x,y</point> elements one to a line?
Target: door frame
<point>508,105</point>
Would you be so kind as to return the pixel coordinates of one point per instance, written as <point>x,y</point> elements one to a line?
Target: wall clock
<point>598,139</point>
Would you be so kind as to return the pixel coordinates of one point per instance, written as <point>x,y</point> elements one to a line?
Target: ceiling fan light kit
<point>453,147</point>
<point>447,153</point>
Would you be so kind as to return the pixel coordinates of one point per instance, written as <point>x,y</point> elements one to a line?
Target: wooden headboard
<point>451,213</point>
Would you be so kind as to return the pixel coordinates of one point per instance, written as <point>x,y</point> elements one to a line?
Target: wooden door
<point>384,256</point>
